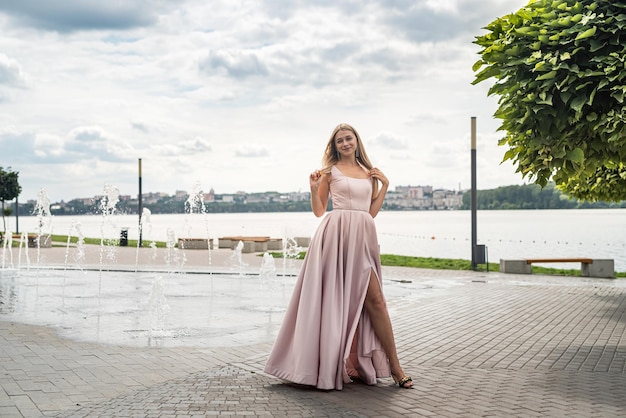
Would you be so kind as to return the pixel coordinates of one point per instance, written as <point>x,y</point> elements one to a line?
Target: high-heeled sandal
<point>402,382</point>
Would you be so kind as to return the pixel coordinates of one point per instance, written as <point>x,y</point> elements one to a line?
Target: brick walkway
<point>476,344</point>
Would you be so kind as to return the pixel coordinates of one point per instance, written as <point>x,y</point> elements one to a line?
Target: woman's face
<point>345,142</point>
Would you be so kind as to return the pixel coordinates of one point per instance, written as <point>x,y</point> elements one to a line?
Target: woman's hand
<point>319,192</point>
<point>378,175</point>
<point>378,199</point>
<point>314,179</point>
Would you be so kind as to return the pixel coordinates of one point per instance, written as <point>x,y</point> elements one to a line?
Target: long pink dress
<point>326,336</point>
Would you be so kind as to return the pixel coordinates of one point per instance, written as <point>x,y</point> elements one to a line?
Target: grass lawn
<point>456,264</point>
<point>386,259</point>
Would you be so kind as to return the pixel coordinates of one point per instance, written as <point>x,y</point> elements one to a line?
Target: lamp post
<point>473,194</point>
<point>17,216</point>
<point>139,207</point>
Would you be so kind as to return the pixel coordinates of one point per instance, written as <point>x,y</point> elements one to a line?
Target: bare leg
<point>377,310</point>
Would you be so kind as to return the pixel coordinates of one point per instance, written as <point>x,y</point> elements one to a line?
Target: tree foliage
<point>559,69</point>
<point>531,196</point>
<point>9,189</point>
<point>9,185</point>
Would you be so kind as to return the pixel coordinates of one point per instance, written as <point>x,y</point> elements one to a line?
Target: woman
<point>337,326</point>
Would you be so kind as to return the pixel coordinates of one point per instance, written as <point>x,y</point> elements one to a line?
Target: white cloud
<point>390,141</point>
<point>443,5</point>
<point>11,73</point>
<point>251,151</point>
<point>193,147</point>
<point>198,145</point>
<point>141,127</point>
<point>81,14</point>
<point>211,91</point>
<point>95,143</point>
<point>47,145</point>
<point>236,64</point>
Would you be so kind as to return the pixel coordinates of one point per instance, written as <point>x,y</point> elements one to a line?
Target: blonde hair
<point>331,155</point>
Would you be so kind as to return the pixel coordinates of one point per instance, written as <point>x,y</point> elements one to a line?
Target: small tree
<point>9,190</point>
<point>558,67</point>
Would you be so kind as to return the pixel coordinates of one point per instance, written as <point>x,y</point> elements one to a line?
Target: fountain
<point>267,274</point>
<point>7,252</point>
<point>79,255</point>
<point>158,308</point>
<point>172,256</point>
<point>92,293</point>
<point>23,247</point>
<point>44,221</point>
<point>43,236</point>
<point>236,259</point>
<point>145,230</point>
<point>194,206</point>
<point>270,284</point>
<point>291,250</point>
<point>108,229</point>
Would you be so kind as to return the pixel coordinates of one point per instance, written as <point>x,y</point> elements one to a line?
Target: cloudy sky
<point>241,95</point>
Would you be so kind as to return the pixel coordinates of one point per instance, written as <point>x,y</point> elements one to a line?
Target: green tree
<point>9,189</point>
<point>531,196</point>
<point>559,71</point>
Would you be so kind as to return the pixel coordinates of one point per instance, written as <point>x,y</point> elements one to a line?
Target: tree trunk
<point>4,221</point>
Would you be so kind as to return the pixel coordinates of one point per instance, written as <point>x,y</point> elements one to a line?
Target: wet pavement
<point>157,334</point>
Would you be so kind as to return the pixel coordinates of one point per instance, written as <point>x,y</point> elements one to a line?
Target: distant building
<point>181,195</point>
<point>149,198</point>
<point>209,197</point>
<point>88,200</point>
<point>298,196</point>
<point>257,198</point>
<point>446,199</point>
<point>415,192</point>
<point>401,198</point>
<point>422,198</point>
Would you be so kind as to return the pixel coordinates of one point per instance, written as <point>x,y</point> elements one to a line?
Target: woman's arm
<point>319,192</point>
<point>377,201</point>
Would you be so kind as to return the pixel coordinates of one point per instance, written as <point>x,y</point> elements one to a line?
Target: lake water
<point>596,233</point>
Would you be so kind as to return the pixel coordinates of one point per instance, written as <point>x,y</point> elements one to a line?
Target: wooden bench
<point>250,244</point>
<point>195,243</point>
<point>303,241</point>
<point>34,240</point>
<point>258,244</point>
<point>589,267</point>
<point>275,244</point>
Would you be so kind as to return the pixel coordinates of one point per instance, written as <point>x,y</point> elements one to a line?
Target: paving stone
<point>489,345</point>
